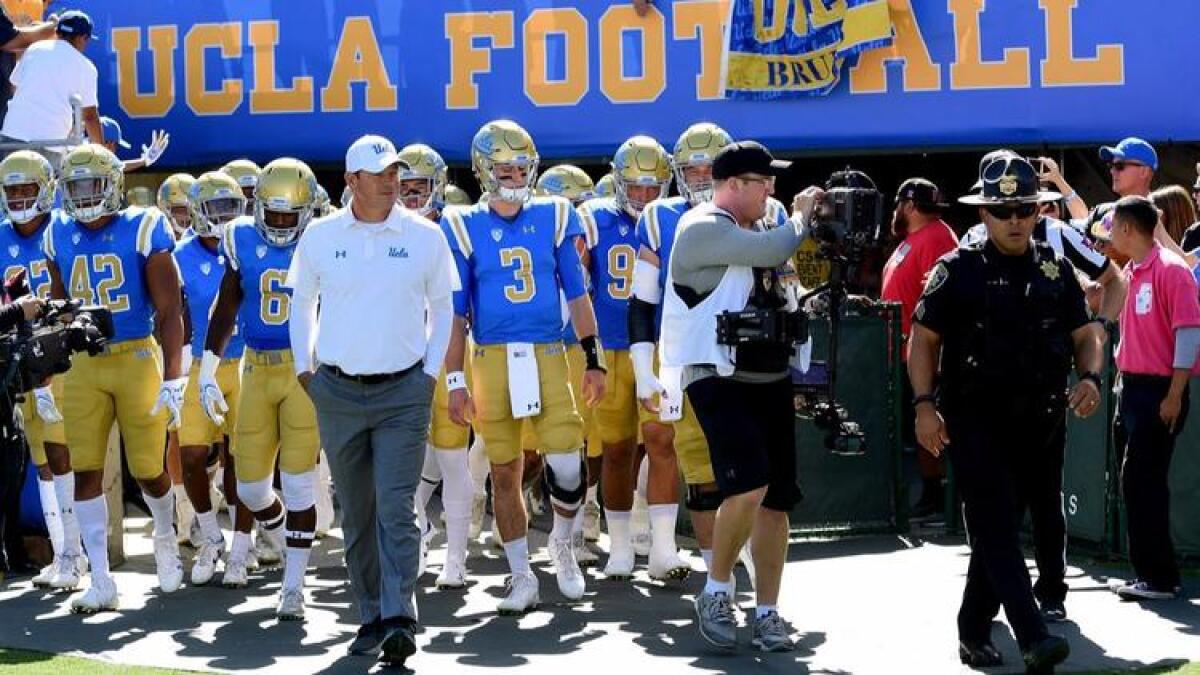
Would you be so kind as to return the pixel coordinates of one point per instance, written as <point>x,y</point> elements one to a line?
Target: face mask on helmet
<point>215,213</point>
<point>88,198</point>
<point>695,182</point>
<point>511,181</point>
<point>279,224</point>
<point>24,201</point>
<point>416,194</point>
<point>633,196</point>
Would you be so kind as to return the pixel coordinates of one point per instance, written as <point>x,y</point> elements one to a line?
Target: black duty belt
<point>375,378</point>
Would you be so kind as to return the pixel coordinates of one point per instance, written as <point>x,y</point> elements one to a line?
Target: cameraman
<point>12,450</point>
<point>743,398</point>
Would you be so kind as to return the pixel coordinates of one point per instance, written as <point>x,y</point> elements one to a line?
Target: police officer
<point>1007,316</point>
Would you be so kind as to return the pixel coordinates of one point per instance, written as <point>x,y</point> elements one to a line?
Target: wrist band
<point>456,380</point>
<point>925,398</point>
<point>592,353</point>
<point>1094,377</point>
<point>1071,197</point>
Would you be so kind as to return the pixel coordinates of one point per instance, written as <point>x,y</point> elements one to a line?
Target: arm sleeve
<point>1085,258</point>
<point>1187,347</point>
<point>717,242</point>
<point>440,286</point>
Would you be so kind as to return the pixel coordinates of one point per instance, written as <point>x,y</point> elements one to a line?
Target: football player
<point>27,189</point>
<point>216,199</point>
<point>605,186</point>
<point>121,259</point>
<point>423,189</point>
<point>456,196</point>
<point>275,417</point>
<point>514,254</point>
<point>173,201</point>
<point>139,196</point>
<point>246,174</point>
<point>641,170</point>
<point>567,181</point>
<point>692,166</point>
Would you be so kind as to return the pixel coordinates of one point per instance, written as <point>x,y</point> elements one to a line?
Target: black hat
<point>74,23</point>
<point>987,159</point>
<point>1009,179</point>
<point>921,192</point>
<point>744,157</point>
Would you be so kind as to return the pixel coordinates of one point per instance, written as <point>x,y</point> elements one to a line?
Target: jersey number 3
<point>524,287</point>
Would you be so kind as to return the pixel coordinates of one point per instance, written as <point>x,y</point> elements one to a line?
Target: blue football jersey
<point>21,252</point>
<point>612,240</point>
<point>512,270</point>
<point>201,271</point>
<point>108,266</point>
<point>266,302</point>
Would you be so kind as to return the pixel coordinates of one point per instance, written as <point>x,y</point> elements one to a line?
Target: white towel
<point>803,355</point>
<point>524,391</point>
<point>670,403</point>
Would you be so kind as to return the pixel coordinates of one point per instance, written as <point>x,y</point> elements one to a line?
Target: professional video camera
<point>36,351</point>
<point>847,222</point>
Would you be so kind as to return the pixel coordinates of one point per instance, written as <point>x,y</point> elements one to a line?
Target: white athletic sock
<point>706,556</point>
<point>64,495</point>
<point>562,525</point>
<point>54,526</point>
<point>662,527</point>
<point>93,525</point>
<point>643,478</point>
<point>457,489</point>
<point>479,466</point>
<point>209,526</point>
<point>517,553</point>
<point>295,565</point>
<point>431,475</point>
<point>162,510</point>
<point>240,546</point>
<point>618,530</point>
<point>577,522</point>
<point>714,586</point>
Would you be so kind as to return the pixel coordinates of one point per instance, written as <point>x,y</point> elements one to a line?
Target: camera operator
<point>723,265</point>
<point>12,450</point>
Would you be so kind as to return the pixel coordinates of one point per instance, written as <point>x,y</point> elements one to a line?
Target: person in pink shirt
<point>925,237</point>
<point>1160,338</point>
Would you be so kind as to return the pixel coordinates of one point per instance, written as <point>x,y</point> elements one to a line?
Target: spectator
<point>150,154</point>
<point>47,76</point>
<point>1049,173</point>
<point>15,39</point>
<point>1160,337</point>
<point>925,237</point>
<point>1131,164</point>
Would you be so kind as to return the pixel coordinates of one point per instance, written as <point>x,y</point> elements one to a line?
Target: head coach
<point>383,277</point>
<point>723,286</point>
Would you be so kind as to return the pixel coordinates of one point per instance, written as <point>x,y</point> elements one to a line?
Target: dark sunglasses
<point>1121,166</point>
<point>1007,211</point>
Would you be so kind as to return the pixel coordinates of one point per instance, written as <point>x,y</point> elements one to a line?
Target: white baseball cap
<point>372,154</point>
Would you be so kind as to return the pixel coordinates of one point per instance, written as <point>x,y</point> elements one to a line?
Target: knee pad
<point>298,494</point>
<point>563,477</point>
<point>256,496</point>
<point>702,500</point>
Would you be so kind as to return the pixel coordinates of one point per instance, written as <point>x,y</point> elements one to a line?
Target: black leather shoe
<point>979,654</point>
<point>1046,653</point>
<point>1053,611</point>
<point>398,646</point>
<point>366,643</point>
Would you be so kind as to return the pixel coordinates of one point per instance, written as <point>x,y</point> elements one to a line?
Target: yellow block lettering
<point>467,60</point>
<point>702,19</point>
<point>227,37</point>
<point>920,72</point>
<point>969,70</point>
<point>573,27</point>
<point>127,42</point>
<point>770,32</point>
<point>650,84</point>
<point>358,60</point>
<point>1060,68</point>
<point>267,96</point>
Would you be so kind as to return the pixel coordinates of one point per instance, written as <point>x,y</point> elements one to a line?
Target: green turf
<point>1186,669</point>
<point>37,663</point>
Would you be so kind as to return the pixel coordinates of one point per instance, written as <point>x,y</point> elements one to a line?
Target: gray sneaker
<point>771,634</point>
<point>718,624</point>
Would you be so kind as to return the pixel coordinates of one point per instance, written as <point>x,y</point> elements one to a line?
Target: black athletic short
<point>751,433</point>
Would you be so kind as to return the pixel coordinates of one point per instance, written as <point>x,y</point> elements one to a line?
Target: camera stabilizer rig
<point>35,351</point>
<point>847,222</point>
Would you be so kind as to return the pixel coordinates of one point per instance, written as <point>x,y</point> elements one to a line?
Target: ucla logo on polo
<point>394,252</point>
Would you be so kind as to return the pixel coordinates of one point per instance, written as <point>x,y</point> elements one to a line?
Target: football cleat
<point>67,573</point>
<point>100,597</point>
<point>620,564</point>
<point>42,580</point>
<point>583,555</point>
<point>570,578</point>
<point>204,565</point>
<point>235,575</point>
<point>453,576</point>
<point>668,565</point>
<point>291,605</point>
<point>167,563</point>
<point>522,594</point>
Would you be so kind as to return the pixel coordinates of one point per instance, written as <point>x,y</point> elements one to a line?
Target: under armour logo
<point>339,254</point>
<point>394,252</point>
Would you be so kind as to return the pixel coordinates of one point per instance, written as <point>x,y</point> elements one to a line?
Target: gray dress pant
<point>374,436</point>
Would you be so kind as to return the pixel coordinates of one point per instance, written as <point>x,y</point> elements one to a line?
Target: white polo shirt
<point>384,291</point>
<point>47,75</point>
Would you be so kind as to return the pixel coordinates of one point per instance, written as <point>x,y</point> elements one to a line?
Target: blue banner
<point>263,78</point>
<point>794,48</point>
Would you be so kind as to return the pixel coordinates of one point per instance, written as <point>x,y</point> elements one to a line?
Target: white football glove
<point>642,356</point>
<point>159,140</point>
<point>170,397</point>
<point>46,408</point>
<point>211,398</point>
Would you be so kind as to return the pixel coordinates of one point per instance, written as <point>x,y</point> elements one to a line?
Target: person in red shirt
<point>1160,339</point>
<point>925,237</point>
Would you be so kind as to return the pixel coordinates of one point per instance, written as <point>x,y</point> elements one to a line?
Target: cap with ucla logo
<point>372,154</point>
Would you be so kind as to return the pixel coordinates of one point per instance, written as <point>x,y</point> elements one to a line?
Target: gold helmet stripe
<point>459,229</point>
